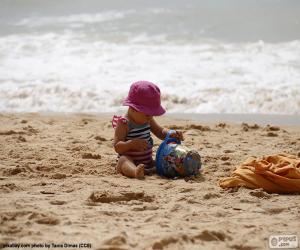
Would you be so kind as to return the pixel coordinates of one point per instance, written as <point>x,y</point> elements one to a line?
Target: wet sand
<point>58,185</point>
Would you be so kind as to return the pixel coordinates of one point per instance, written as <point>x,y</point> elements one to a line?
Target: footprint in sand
<point>13,229</point>
<point>272,128</point>
<point>224,157</point>
<point>80,148</point>
<point>165,242</point>
<point>176,207</point>
<point>246,127</point>
<point>48,221</point>
<point>9,216</point>
<point>208,196</point>
<point>100,138</point>
<point>14,170</point>
<point>58,176</point>
<point>144,208</point>
<point>75,141</point>
<point>222,125</point>
<point>57,202</point>
<point>77,170</point>
<point>275,210</point>
<point>191,133</point>
<point>227,169</point>
<point>260,193</point>
<point>176,127</point>
<point>228,151</point>
<point>115,242</point>
<point>199,127</point>
<point>206,235</point>
<point>41,218</point>
<point>11,132</point>
<point>108,197</point>
<point>29,216</point>
<point>189,127</point>
<point>47,192</point>
<point>210,235</point>
<point>186,190</point>
<point>243,247</point>
<point>9,187</point>
<point>44,168</point>
<point>30,130</point>
<point>271,134</point>
<point>91,156</point>
<point>21,139</point>
<point>87,120</point>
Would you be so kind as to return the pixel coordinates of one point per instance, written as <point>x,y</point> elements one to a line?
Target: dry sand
<point>58,185</point>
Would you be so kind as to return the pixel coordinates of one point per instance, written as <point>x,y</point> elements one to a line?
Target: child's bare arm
<point>157,130</point>
<point>119,140</point>
<point>161,132</point>
<point>121,146</point>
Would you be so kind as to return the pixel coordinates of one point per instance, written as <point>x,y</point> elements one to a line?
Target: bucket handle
<point>167,139</point>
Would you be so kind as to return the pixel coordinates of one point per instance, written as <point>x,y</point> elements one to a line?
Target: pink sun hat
<point>144,97</point>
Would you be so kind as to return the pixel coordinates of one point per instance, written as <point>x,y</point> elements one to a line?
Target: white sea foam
<point>66,72</point>
<point>53,57</point>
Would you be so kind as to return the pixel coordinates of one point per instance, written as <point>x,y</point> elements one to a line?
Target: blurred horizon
<point>231,20</point>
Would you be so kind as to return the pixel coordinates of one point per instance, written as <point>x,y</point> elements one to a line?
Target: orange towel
<point>274,173</point>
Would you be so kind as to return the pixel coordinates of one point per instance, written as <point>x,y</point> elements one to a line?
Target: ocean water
<point>207,56</point>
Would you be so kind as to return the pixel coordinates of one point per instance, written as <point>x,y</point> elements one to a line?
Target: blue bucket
<point>176,160</point>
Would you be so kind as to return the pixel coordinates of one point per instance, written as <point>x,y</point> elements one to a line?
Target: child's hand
<point>139,144</point>
<point>178,135</point>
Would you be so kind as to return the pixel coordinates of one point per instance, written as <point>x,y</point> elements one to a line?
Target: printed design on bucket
<point>176,160</point>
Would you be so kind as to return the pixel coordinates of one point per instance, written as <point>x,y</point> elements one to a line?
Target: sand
<point>58,185</point>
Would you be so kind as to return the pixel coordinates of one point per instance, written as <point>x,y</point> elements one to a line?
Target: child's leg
<point>126,167</point>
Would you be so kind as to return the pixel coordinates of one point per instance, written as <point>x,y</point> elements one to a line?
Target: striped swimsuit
<point>137,131</point>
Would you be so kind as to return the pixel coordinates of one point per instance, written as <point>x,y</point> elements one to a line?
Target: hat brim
<point>148,111</point>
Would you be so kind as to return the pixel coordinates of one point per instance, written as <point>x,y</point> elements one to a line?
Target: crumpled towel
<point>274,173</point>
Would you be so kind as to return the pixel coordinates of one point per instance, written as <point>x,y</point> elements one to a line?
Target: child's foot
<point>139,171</point>
<point>150,171</point>
<point>120,163</point>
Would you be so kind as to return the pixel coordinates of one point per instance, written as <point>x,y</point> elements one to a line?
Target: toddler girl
<point>132,140</point>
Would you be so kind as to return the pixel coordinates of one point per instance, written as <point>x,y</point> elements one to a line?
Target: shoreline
<point>260,119</point>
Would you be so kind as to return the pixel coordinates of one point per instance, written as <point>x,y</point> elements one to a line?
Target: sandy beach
<point>59,187</point>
